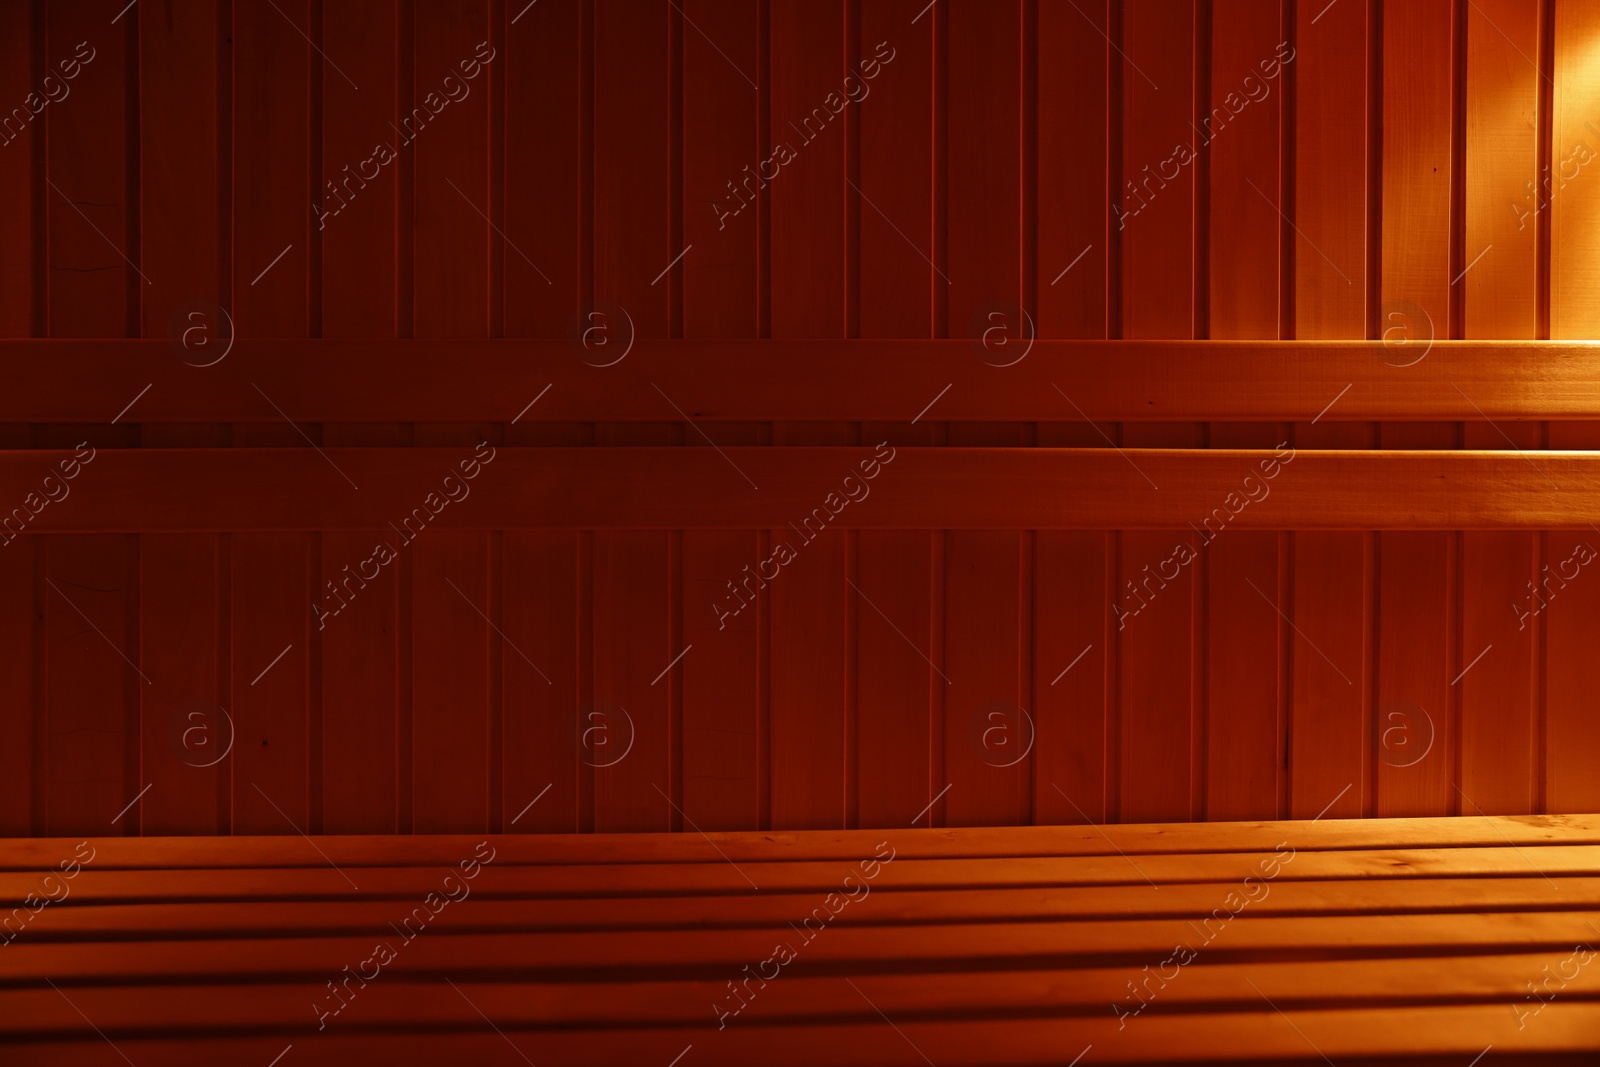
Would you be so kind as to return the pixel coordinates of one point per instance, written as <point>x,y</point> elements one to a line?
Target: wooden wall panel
<point>1572,206</point>
<point>91,692</point>
<point>22,148</point>
<point>271,584</point>
<point>943,163</point>
<point>810,603</point>
<point>1073,581</point>
<point>1156,211</point>
<point>1241,134</point>
<point>22,153</point>
<point>1417,633</point>
<point>452,605</point>
<point>989,727</point>
<point>1331,597</point>
<point>634,230</point>
<point>897,682</point>
<point>546,272</point>
<point>720,681</point>
<point>1500,712</point>
<point>356,782</point>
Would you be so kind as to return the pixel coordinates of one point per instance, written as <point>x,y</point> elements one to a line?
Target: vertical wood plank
<point>1242,131</point>
<point>1156,226</point>
<point>450,596</point>
<point>721,710</point>
<point>1572,734</point>
<point>91,727</point>
<point>544,141</point>
<point>272,259</point>
<point>633,214</point>
<point>22,148</point>
<point>22,153</point>
<point>989,731</point>
<point>1499,770</point>
<point>358,230</point>
<point>540,682</point>
<point>17,644</point>
<point>183,740</point>
<point>810,599</point>
<point>1416,165</point>
<point>1416,627</point>
<point>1073,642</point>
<point>91,698</point>
<point>1331,714</point>
<point>894,642</point>
<point>94,287</point>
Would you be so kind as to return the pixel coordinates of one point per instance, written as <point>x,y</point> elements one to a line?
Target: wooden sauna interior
<point>695,532</point>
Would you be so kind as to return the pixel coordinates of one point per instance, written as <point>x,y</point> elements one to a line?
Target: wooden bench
<point>1414,940</point>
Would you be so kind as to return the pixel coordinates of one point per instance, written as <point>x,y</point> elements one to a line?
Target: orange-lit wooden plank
<point>1156,215</point>
<point>1417,89</point>
<point>1417,664</point>
<point>1329,834</point>
<point>650,488</point>
<point>1241,126</point>
<point>621,954</point>
<point>1499,721</point>
<point>1073,641</point>
<point>1416,704</point>
<point>1331,578</point>
<point>1332,160</point>
<point>1155,210</point>
<point>545,1004</point>
<point>1245,666</point>
<point>366,914</point>
<point>1244,670</point>
<point>448,380</point>
<point>1452,1032</point>
<point>1073,185</point>
<point>1574,204</point>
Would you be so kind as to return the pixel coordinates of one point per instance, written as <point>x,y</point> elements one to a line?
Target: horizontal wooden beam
<point>800,492</point>
<point>257,380</point>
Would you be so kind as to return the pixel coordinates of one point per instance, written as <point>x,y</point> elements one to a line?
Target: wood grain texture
<point>947,927</point>
<point>364,381</point>
<point>646,487</point>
